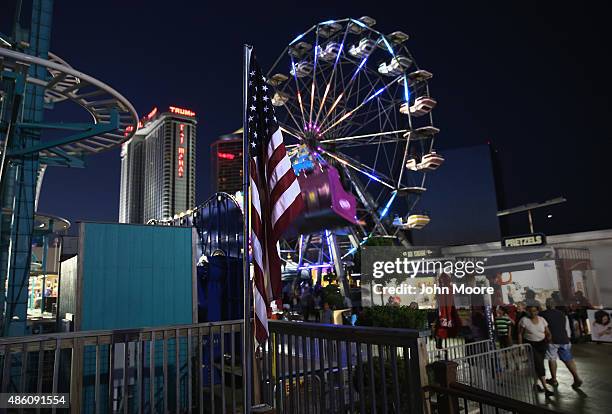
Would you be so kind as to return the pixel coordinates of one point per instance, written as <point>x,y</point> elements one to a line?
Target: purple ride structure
<point>355,110</point>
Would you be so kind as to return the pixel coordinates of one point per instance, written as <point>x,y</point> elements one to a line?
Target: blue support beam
<point>20,175</point>
<point>64,160</point>
<point>90,131</point>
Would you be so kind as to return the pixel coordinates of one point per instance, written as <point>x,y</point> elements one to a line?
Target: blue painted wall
<point>135,276</point>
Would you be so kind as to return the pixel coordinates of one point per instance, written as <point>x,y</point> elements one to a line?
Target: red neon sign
<point>181,161</point>
<point>151,114</point>
<point>181,151</point>
<point>226,156</point>
<point>181,111</point>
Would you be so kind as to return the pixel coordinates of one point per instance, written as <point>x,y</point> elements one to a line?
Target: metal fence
<point>508,372</point>
<point>303,367</point>
<point>459,350</point>
<point>315,368</point>
<point>191,368</point>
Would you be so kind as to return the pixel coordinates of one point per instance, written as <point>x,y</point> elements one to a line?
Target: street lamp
<point>529,207</point>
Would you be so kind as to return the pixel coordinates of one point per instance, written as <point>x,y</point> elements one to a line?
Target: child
<point>503,327</point>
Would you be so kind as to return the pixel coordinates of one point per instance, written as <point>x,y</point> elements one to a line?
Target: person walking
<point>533,329</point>
<point>307,302</point>
<point>560,346</point>
<point>316,301</point>
<point>503,327</point>
<point>327,315</point>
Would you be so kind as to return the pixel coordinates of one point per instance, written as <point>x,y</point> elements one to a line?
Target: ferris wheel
<point>355,110</point>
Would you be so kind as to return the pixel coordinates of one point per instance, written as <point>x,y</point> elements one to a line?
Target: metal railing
<point>459,350</point>
<point>303,368</point>
<point>189,368</point>
<point>458,398</point>
<point>316,368</point>
<point>508,372</point>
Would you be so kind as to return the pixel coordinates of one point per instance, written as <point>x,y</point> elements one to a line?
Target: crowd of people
<point>548,332</point>
<point>307,303</point>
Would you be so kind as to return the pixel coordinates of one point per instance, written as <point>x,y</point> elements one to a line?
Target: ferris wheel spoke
<point>359,167</point>
<point>297,87</point>
<point>370,87</point>
<point>366,138</point>
<point>290,105</point>
<point>331,77</point>
<point>314,77</point>
<point>365,118</point>
<point>371,95</point>
<point>290,131</point>
<point>382,125</point>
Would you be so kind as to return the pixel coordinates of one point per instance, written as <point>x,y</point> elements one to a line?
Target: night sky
<point>530,79</point>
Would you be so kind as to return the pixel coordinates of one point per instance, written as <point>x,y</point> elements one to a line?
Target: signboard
<point>535,239</point>
<point>182,111</point>
<point>601,324</point>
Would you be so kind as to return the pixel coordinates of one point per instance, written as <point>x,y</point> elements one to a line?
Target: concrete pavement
<point>594,362</point>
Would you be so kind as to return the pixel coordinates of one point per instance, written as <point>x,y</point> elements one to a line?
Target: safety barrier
<point>508,372</point>
<point>189,368</point>
<point>459,350</point>
<point>316,368</point>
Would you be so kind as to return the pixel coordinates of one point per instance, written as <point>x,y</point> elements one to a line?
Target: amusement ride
<point>356,113</point>
<point>33,81</point>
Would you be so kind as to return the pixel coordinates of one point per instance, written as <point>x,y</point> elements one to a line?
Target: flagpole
<point>247,335</point>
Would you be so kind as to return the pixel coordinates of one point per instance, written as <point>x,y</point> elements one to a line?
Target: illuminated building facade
<point>132,181</point>
<point>158,167</point>
<point>226,163</point>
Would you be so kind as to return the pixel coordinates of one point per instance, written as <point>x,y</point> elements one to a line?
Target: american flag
<point>275,195</point>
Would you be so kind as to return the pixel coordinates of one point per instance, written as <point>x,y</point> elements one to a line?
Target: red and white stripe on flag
<point>275,198</point>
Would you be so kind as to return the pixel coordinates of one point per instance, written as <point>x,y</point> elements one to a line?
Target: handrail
<point>484,397</point>
<point>362,334</point>
<point>115,332</point>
